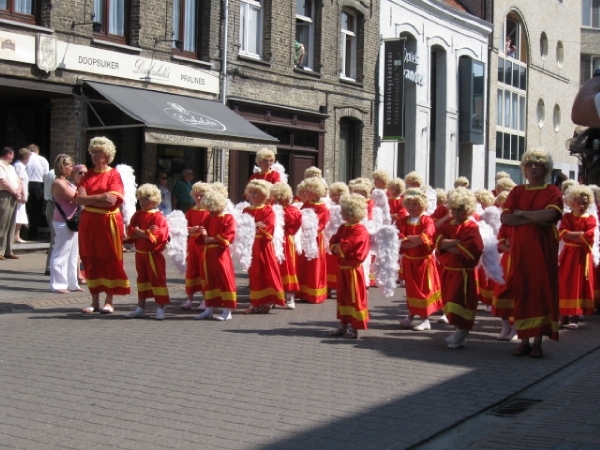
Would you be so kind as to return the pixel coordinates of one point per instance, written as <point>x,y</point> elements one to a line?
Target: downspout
<point>225,21</point>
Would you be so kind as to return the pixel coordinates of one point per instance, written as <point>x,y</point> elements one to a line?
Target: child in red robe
<point>459,247</point>
<point>396,188</point>
<point>194,274</point>
<point>266,288</point>
<point>336,190</point>
<point>149,232</point>
<point>441,213</point>
<point>351,246</point>
<point>216,237</point>
<point>575,270</point>
<point>423,291</point>
<point>312,273</point>
<point>281,194</point>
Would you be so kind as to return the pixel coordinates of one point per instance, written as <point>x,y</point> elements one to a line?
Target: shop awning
<point>181,120</point>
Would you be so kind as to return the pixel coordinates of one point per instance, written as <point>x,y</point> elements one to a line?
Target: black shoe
<point>47,272</point>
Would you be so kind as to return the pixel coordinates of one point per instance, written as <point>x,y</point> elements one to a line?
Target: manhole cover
<point>514,407</point>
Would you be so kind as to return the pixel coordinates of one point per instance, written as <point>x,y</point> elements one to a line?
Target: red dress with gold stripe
<point>195,276</point>
<point>101,233</point>
<point>352,245</point>
<point>503,302</point>
<point>459,287</point>
<point>149,260</point>
<point>423,289</point>
<point>264,275</point>
<point>576,266</point>
<point>271,176</point>
<point>534,251</point>
<point>220,289</point>
<point>289,275</point>
<point>312,274</point>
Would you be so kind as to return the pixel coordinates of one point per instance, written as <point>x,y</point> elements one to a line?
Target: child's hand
<point>202,231</point>
<point>153,228</point>
<point>260,225</point>
<point>193,230</point>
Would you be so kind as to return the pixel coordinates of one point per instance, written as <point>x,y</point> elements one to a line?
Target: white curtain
<point>99,11</point>
<point>116,17</point>
<point>191,18</point>
<point>21,6</point>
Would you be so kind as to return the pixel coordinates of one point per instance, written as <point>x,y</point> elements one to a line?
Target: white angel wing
<point>310,224</point>
<point>278,234</point>
<point>277,167</point>
<point>491,216</point>
<point>490,259</point>
<point>335,221</point>
<point>381,201</point>
<point>241,247</point>
<point>431,200</point>
<point>592,210</point>
<point>386,246</point>
<point>178,234</point>
<point>129,188</point>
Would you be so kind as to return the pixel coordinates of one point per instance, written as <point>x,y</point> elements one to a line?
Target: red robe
<point>264,275</point>
<point>423,290</point>
<point>352,245</point>
<point>312,275</point>
<point>149,260</point>
<point>576,266</point>
<point>459,287</point>
<point>220,288</point>
<point>271,176</point>
<point>503,302</point>
<point>195,276</point>
<point>289,274</point>
<point>534,251</point>
<point>440,212</point>
<point>397,209</point>
<point>101,233</point>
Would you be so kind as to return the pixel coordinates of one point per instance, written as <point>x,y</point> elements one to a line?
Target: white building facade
<point>444,127</point>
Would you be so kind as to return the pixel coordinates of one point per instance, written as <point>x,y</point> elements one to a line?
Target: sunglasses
<point>81,172</point>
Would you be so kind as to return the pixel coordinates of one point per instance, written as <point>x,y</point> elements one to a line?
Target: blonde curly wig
<point>220,188</point>
<point>312,172</point>
<point>501,198</point>
<point>566,185</point>
<point>200,188</point>
<point>398,185</point>
<point>484,197</point>
<point>461,181</point>
<point>281,192</point>
<point>313,185</point>
<point>578,191</point>
<point>596,190</point>
<point>338,188</point>
<point>360,188</point>
<point>263,154</point>
<point>104,144</point>
<point>361,180</point>
<point>415,194</point>
<point>500,175</point>
<point>441,195</point>
<point>413,177</point>
<point>504,184</point>
<point>214,201</point>
<point>462,198</point>
<point>354,206</point>
<point>541,156</point>
<point>149,191</point>
<point>260,185</point>
<point>382,176</point>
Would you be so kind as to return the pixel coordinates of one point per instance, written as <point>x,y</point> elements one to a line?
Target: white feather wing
<point>278,233</point>
<point>490,259</point>
<point>310,224</point>
<point>178,234</point>
<point>129,188</point>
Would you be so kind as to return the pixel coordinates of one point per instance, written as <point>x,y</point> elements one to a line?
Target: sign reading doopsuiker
<point>393,97</point>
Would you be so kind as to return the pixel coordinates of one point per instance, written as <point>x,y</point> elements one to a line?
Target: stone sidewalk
<point>268,382</point>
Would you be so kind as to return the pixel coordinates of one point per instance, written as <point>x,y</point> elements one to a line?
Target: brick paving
<point>256,382</point>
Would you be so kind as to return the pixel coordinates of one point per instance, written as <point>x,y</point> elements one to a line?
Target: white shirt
<point>8,173</point>
<point>37,168</point>
<point>48,186</point>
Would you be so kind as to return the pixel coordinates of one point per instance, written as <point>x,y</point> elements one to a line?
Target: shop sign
<point>46,52</point>
<point>411,61</point>
<point>85,59</point>
<point>17,47</point>
<point>393,97</point>
<point>188,140</point>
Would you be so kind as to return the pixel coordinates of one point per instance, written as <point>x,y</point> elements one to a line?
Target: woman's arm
<point>540,216</point>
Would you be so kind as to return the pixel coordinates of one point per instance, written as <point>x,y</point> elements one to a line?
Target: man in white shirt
<point>10,193</point>
<point>37,168</point>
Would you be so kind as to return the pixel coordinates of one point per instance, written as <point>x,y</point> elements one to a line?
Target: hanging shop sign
<point>393,97</point>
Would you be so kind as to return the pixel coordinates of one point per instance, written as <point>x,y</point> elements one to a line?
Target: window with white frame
<point>251,23</point>
<point>348,44</point>
<point>590,13</point>
<point>185,26</point>
<point>305,33</point>
<point>111,15</point>
<point>511,95</point>
<point>23,10</point>
<point>587,65</point>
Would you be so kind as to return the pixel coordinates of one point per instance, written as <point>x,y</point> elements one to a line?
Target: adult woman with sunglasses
<point>165,206</point>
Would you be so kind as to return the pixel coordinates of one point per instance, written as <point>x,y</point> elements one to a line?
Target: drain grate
<point>514,407</point>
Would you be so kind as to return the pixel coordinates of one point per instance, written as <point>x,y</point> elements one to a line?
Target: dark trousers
<point>35,208</point>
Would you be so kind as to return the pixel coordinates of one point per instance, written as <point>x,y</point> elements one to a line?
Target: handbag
<point>73,222</point>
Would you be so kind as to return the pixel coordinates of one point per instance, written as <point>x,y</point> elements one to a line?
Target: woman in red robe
<point>423,291</point>
<point>265,159</point>
<point>576,263</point>
<point>101,227</point>
<point>459,247</point>
<point>351,245</point>
<point>149,232</point>
<point>532,210</point>
<point>266,288</point>
<point>216,238</point>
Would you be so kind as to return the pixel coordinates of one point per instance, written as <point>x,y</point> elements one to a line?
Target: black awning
<point>185,120</point>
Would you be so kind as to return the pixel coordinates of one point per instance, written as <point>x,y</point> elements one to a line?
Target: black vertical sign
<point>393,97</point>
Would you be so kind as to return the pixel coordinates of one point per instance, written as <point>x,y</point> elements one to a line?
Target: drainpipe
<point>224,21</point>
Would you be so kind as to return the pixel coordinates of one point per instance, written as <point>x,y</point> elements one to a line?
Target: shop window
<point>251,28</point>
<point>21,10</point>
<point>590,13</point>
<point>186,24</point>
<point>111,16</point>
<point>348,44</point>
<point>305,34</point>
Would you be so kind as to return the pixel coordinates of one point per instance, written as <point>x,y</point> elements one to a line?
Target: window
<point>541,113</point>
<point>590,13</point>
<point>110,14</point>
<point>560,54</point>
<point>544,46</point>
<point>305,33</point>
<point>185,26</point>
<point>512,41</point>
<point>587,65</point>
<point>22,10</point>
<point>251,28</point>
<point>347,150</point>
<point>348,45</point>
<point>556,117</point>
